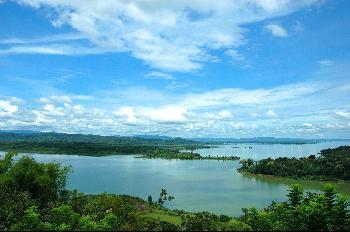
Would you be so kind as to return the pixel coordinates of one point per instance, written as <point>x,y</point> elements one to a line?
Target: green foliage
<point>203,221</point>
<point>93,145</point>
<point>13,205</point>
<point>295,195</point>
<point>170,154</point>
<point>29,221</point>
<point>163,197</point>
<point>150,200</point>
<point>6,162</point>
<point>235,225</point>
<point>52,207</point>
<point>313,212</point>
<point>44,182</point>
<point>332,164</point>
<point>89,145</point>
<point>176,154</point>
<point>64,217</point>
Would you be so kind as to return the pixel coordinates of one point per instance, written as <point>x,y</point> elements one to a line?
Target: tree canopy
<point>332,164</point>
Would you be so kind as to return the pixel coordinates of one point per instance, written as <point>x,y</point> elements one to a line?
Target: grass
<point>162,215</point>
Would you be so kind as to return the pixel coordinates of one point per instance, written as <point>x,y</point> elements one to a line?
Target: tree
<point>44,182</point>
<point>150,200</point>
<point>163,197</point>
<point>64,217</point>
<point>29,221</point>
<point>203,221</point>
<point>295,195</point>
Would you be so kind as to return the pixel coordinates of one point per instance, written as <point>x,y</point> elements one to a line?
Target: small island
<point>174,154</point>
<point>331,165</point>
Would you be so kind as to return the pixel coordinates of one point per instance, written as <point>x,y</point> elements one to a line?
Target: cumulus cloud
<point>225,114</point>
<point>16,100</point>
<point>271,114</point>
<point>173,35</point>
<point>168,114</point>
<point>55,98</point>
<point>343,114</point>
<point>276,30</point>
<point>308,125</point>
<point>128,113</point>
<point>301,109</point>
<point>7,108</point>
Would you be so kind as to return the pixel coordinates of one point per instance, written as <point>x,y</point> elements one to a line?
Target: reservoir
<point>197,185</point>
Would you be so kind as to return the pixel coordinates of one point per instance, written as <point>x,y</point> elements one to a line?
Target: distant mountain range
<point>36,136</point>
<point>19,132</point>
<point>183,140</point>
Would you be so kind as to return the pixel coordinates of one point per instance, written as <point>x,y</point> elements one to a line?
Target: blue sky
<point>179,68</point>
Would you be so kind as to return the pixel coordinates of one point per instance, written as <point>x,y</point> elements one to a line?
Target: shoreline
<point>245,173</point>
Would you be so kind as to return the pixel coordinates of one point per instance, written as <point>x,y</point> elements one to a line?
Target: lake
<point>199,185</point>
<point>261,151</point>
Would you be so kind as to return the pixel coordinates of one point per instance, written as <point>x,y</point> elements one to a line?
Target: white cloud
<point>276,30</point>
<point>175,36</point>
<point>16,100</point>
<point>225,114</point>
<point>298,26</point>
<point>235,55</point>
<point>45,39</point>
<point>235,96</point>
<point>325,63</point>
<point>220,112</point>
<point>141,115</point>
<point>343,114</point>
<point>308,125</point>
<point>254,114</point>
<point>7,108</point>
<point>129,114</point>
<point>271,114</point>
<point>159,75</point>
<point>51,49</point>
<point>168,114</point>
<point>52,110</point>
<point>55,98</point>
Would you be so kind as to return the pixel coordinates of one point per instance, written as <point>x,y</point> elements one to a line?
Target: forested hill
<point>332,164</point>
<point>28,136</point>
<point>92,145</point>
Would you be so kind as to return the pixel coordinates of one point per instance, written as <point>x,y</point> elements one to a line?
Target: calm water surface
<point>208,185</point>
<point>261,151</point>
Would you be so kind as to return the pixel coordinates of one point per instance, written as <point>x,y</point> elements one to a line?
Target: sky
<point>179,68</point>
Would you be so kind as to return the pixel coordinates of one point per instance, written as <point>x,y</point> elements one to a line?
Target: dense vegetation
<point>33,197</point>
<point>91,145</point>
<point>94,145</point>
<point>332,164</point>
<point>82,138</point>
<point>184,155</point>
